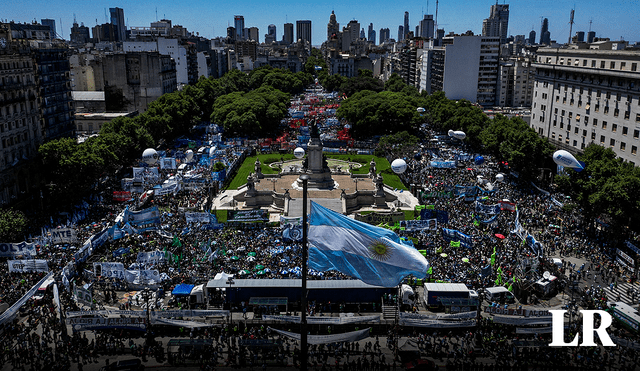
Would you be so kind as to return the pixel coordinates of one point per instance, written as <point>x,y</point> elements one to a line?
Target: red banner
<point>121,196</point>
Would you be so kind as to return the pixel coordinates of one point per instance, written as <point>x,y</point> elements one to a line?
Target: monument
<point>315,165</point>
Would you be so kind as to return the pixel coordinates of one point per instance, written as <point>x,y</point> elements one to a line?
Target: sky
<point>613,19</point>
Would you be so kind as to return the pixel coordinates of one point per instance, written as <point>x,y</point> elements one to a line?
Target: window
<point>597,109</point>
<point>634,150</point>
<point>636,134</point>
<point>595,122</point>
<point>593,63</point>
<point>634,67</point>
<point>576,130</point>
<point>612,142</point>
<point>575,142</point>
<point>637,117</point>
<point>612,65</point>
<point>604,124</point>
<point>616,112</point>
<point>586,120</point>
<point>584,63</point>
<point>623,65</point>
<point>606,110</point>
<point>562,114</point>
<point>593,135</point>
<point>627,114</point>
<point>623,146</point>
<point>608,95</point>
<point>601,64</point>
<point>625,130</point>
<point>584,133</point>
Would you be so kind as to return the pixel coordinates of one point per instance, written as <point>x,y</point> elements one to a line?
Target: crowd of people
<point>194,253</point>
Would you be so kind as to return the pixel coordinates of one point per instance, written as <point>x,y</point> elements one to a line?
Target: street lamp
<point>305,250</point>
<point>146,294</point>
<point>230,282</point>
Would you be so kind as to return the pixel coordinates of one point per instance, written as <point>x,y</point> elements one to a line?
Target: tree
<point>13,225</point>
<point>400,144</point>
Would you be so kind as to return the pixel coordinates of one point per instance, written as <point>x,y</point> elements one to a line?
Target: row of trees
<point>243,104</point>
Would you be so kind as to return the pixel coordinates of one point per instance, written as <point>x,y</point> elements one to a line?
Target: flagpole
<point>303,315</point>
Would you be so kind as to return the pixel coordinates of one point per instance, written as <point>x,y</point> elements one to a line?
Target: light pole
<point>146,293</point>
<point>230,282</point>
<point>303,317</point>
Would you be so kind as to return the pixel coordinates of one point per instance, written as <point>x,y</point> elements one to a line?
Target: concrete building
<point>333,27</point>
<point>287,35</point>
<point>385,35</point>
<point>271,36</point>
<point>171,47</point>
<point>426,27</point>
<point>371,34</point>
<point>22,129</point>
<point>350,34</point>
<point>238,24</point>
<point>253,34</point>
<point>91,123</point>
<point>515,84</point>
<point>117,20</point>
<point>465,67</point>
<point>51,23</point>
<point>584,95</point>
<point>497,25</point>
<point>132,80</point>
<point>303,31</point>
<point>79,34</point>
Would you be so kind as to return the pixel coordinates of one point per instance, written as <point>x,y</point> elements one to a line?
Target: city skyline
<point>614,20</point>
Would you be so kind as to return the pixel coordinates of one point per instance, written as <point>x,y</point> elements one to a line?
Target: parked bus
<point>626,314</point>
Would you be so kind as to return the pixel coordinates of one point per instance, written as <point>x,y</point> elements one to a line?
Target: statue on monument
<point>372,169</point>
<point>314,132</point>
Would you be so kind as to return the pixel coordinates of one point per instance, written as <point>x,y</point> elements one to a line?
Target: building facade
<point>515,85</point>
<point>497,25</point>
<point>584,96</point>
<point>303,31</point>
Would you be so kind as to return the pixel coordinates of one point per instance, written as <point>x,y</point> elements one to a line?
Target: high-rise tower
<point>498,22</point>
<point>303,30</point>
<point>238,24</point>
<point>287,35</point>
<point>117,20</point>
<point>545,35</point>
<point>371,35</point>
<point>405,27</point>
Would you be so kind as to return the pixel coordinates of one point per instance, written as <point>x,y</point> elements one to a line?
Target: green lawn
<point>382,165</point>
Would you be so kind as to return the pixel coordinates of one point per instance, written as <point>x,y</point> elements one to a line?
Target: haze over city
<point>614,20</point>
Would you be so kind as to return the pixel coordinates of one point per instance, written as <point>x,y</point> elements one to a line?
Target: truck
<point>436,294</point>
<point>499,294</point>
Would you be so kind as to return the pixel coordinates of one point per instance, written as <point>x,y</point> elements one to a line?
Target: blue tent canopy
<point>183,289</point>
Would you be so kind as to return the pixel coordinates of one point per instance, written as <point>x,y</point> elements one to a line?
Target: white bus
<point>626,314</point>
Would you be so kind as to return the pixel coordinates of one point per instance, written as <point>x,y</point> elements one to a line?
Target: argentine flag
<point>372,254</point>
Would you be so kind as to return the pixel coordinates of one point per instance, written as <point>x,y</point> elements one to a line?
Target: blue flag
<point>372,254</point>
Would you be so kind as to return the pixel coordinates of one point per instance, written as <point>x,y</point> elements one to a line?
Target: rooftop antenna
<point>590,22</point>
<point>156,14</point>
<point>106,19</point>
<point>74,18</point>
<point>571,24</point>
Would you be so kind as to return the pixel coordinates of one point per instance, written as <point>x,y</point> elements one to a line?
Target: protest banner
<point>17,249</point>
<point>24,266</point>
<point>63,235</point>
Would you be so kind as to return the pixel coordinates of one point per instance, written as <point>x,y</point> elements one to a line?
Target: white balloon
<point>566,159</point>
<point>450,132</point>
<point>421,109</point>
<point>298,152</point>
<point>150,156</point>
<point>189,155</point>
<point>212,151</point>
<point>499,177</point>
<point>459,135</point>
<point>398,166</point>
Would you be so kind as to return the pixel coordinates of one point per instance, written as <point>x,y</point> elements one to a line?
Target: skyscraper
<point>590,36</point>
<point>498,22</point>
<point>287,35</point>
<point>371,35</point>
<point>52,25</point>
<point>303,30</point>
<point>253,33</point>
<point>117,20</point>
<point>271,34</point>
<point>400,33</point>
<point>545,36</point>
<point>532,37</point>
<point>238,24</point>
<point>405,28</point>
<point>425,27</point>
<point>333,27</point>
<point>385,35</point>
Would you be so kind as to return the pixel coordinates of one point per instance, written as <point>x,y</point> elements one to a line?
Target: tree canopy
<point>13,225</point>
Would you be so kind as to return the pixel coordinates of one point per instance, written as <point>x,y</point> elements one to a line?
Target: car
<point>420,364</point>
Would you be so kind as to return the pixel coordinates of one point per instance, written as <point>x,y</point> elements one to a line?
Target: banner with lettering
<point>122,196</point>
<point>63,235</point>
<point>167,163</point>
<point>17,249</point>
<point>436,323</point>
<point>101,323</point>
<point>488,209</point>
<point>24,266</point>
<point>247,216</point>
<point>324,320</point>
<point>443,164</point>
<point>151,257</point>
<point>327,339</point>
<point>419,225</point>
<point>109,270</point>
<point>442,216</point>
<point>199,217</point>
<point>377,218</point>
<point>461,315</point>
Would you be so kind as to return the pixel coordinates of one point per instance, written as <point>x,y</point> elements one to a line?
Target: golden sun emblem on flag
<point>380,250</point>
